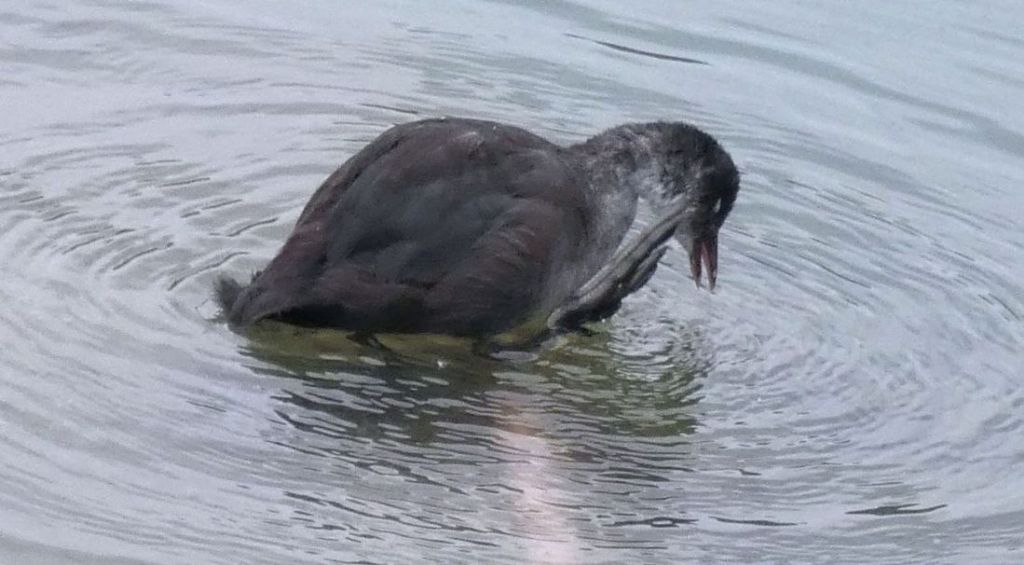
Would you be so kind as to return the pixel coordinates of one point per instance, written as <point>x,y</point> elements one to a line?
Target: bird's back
<point>448,226</point>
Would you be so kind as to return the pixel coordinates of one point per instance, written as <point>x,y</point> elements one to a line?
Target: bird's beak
<point>704,254</point>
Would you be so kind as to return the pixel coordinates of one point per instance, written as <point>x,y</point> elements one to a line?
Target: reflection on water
<point>415,383</point>
<point>490,430</point>
<point>851,392</point>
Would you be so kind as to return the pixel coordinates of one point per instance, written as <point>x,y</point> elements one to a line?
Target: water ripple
<point>851,390</point>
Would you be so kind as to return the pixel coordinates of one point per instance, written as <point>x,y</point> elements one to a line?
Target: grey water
<point>851,393</point>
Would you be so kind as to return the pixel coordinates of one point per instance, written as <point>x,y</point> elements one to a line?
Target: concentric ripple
<point>851,393</point>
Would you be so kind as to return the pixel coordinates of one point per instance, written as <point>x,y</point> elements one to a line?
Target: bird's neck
<point>624,158</point>
<point>622,165</point>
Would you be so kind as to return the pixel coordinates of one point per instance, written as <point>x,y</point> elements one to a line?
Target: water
<point>852,393</point>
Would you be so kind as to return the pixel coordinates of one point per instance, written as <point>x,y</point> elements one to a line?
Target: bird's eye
<point>719,210</point>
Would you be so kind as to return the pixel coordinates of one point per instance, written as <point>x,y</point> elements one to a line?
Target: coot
<point>474,228</point>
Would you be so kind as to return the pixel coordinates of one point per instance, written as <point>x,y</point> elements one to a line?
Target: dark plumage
<point>469,227</point>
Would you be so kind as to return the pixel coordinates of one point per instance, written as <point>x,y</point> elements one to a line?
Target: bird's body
<point>463,227</point>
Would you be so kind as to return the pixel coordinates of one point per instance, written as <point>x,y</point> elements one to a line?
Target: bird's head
<point>697,179</point>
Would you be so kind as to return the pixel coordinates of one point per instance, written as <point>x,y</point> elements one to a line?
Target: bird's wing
<point>446,225</point>
<point>632,265</point>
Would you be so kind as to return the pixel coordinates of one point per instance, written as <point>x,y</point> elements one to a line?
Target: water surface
<point>852,393</point>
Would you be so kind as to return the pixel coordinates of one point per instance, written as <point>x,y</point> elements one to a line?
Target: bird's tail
<point>227,290</point>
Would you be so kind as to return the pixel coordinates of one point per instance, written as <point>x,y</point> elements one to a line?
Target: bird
<point>470,227</point>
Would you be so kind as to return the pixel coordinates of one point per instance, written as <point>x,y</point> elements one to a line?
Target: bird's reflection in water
<point>598,408</point>
<point>403,385</point>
